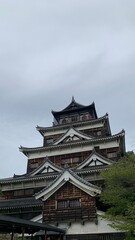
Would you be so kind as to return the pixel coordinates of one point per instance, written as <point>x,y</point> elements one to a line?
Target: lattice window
<point>19,193</point>
<point>49,140</point>
<point>62,204</point>
<point>112,154</point>
<point>74,118</point>
<point>29,191</point>
<point>34,165</point>
<point>73,203</point>
<point>63,121</point>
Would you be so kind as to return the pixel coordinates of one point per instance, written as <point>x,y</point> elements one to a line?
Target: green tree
<point>119,194</point>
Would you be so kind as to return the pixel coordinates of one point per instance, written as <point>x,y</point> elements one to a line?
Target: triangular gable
<point>46,167</point>
<point>72,135</point>
<point>68,176</point>
<point>94,160</point>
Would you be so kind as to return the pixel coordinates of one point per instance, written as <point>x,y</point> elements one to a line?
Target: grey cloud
<point>51,50</point>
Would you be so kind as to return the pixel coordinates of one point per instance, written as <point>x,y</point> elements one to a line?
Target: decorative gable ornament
<point>72,135</point>
<point>95,159</point>
<point>46,167</point>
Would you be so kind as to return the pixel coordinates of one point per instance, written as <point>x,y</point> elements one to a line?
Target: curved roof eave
<point>29,226</point>
<point>73,106</point>
<point>28,178</point>
<point>73,103</point>
<point>26,150</point>
<point>74,124</point>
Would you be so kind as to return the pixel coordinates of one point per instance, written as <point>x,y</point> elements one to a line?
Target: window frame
<point>68,203</point>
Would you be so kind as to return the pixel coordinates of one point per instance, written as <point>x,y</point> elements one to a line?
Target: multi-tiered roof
<point>76,148</point>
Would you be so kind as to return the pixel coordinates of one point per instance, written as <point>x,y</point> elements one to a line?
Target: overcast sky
<point>51,50</point>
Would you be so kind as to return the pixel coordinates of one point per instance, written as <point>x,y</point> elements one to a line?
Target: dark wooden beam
<point>12,236</point>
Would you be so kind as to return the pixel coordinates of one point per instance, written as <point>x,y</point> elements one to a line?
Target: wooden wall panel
<point>86,210</point>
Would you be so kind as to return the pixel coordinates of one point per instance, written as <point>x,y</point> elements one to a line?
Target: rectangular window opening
<point>73,203</point>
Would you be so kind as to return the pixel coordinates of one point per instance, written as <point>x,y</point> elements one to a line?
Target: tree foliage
<point>119,193</point>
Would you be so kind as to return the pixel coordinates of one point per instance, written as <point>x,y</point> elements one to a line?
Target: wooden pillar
<point>60,236</point>
<point>23,231</point>
<point>12,236</point>
<point>45,235</point>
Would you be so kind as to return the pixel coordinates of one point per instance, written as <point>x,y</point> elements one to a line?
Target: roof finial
<point>73,100</point>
